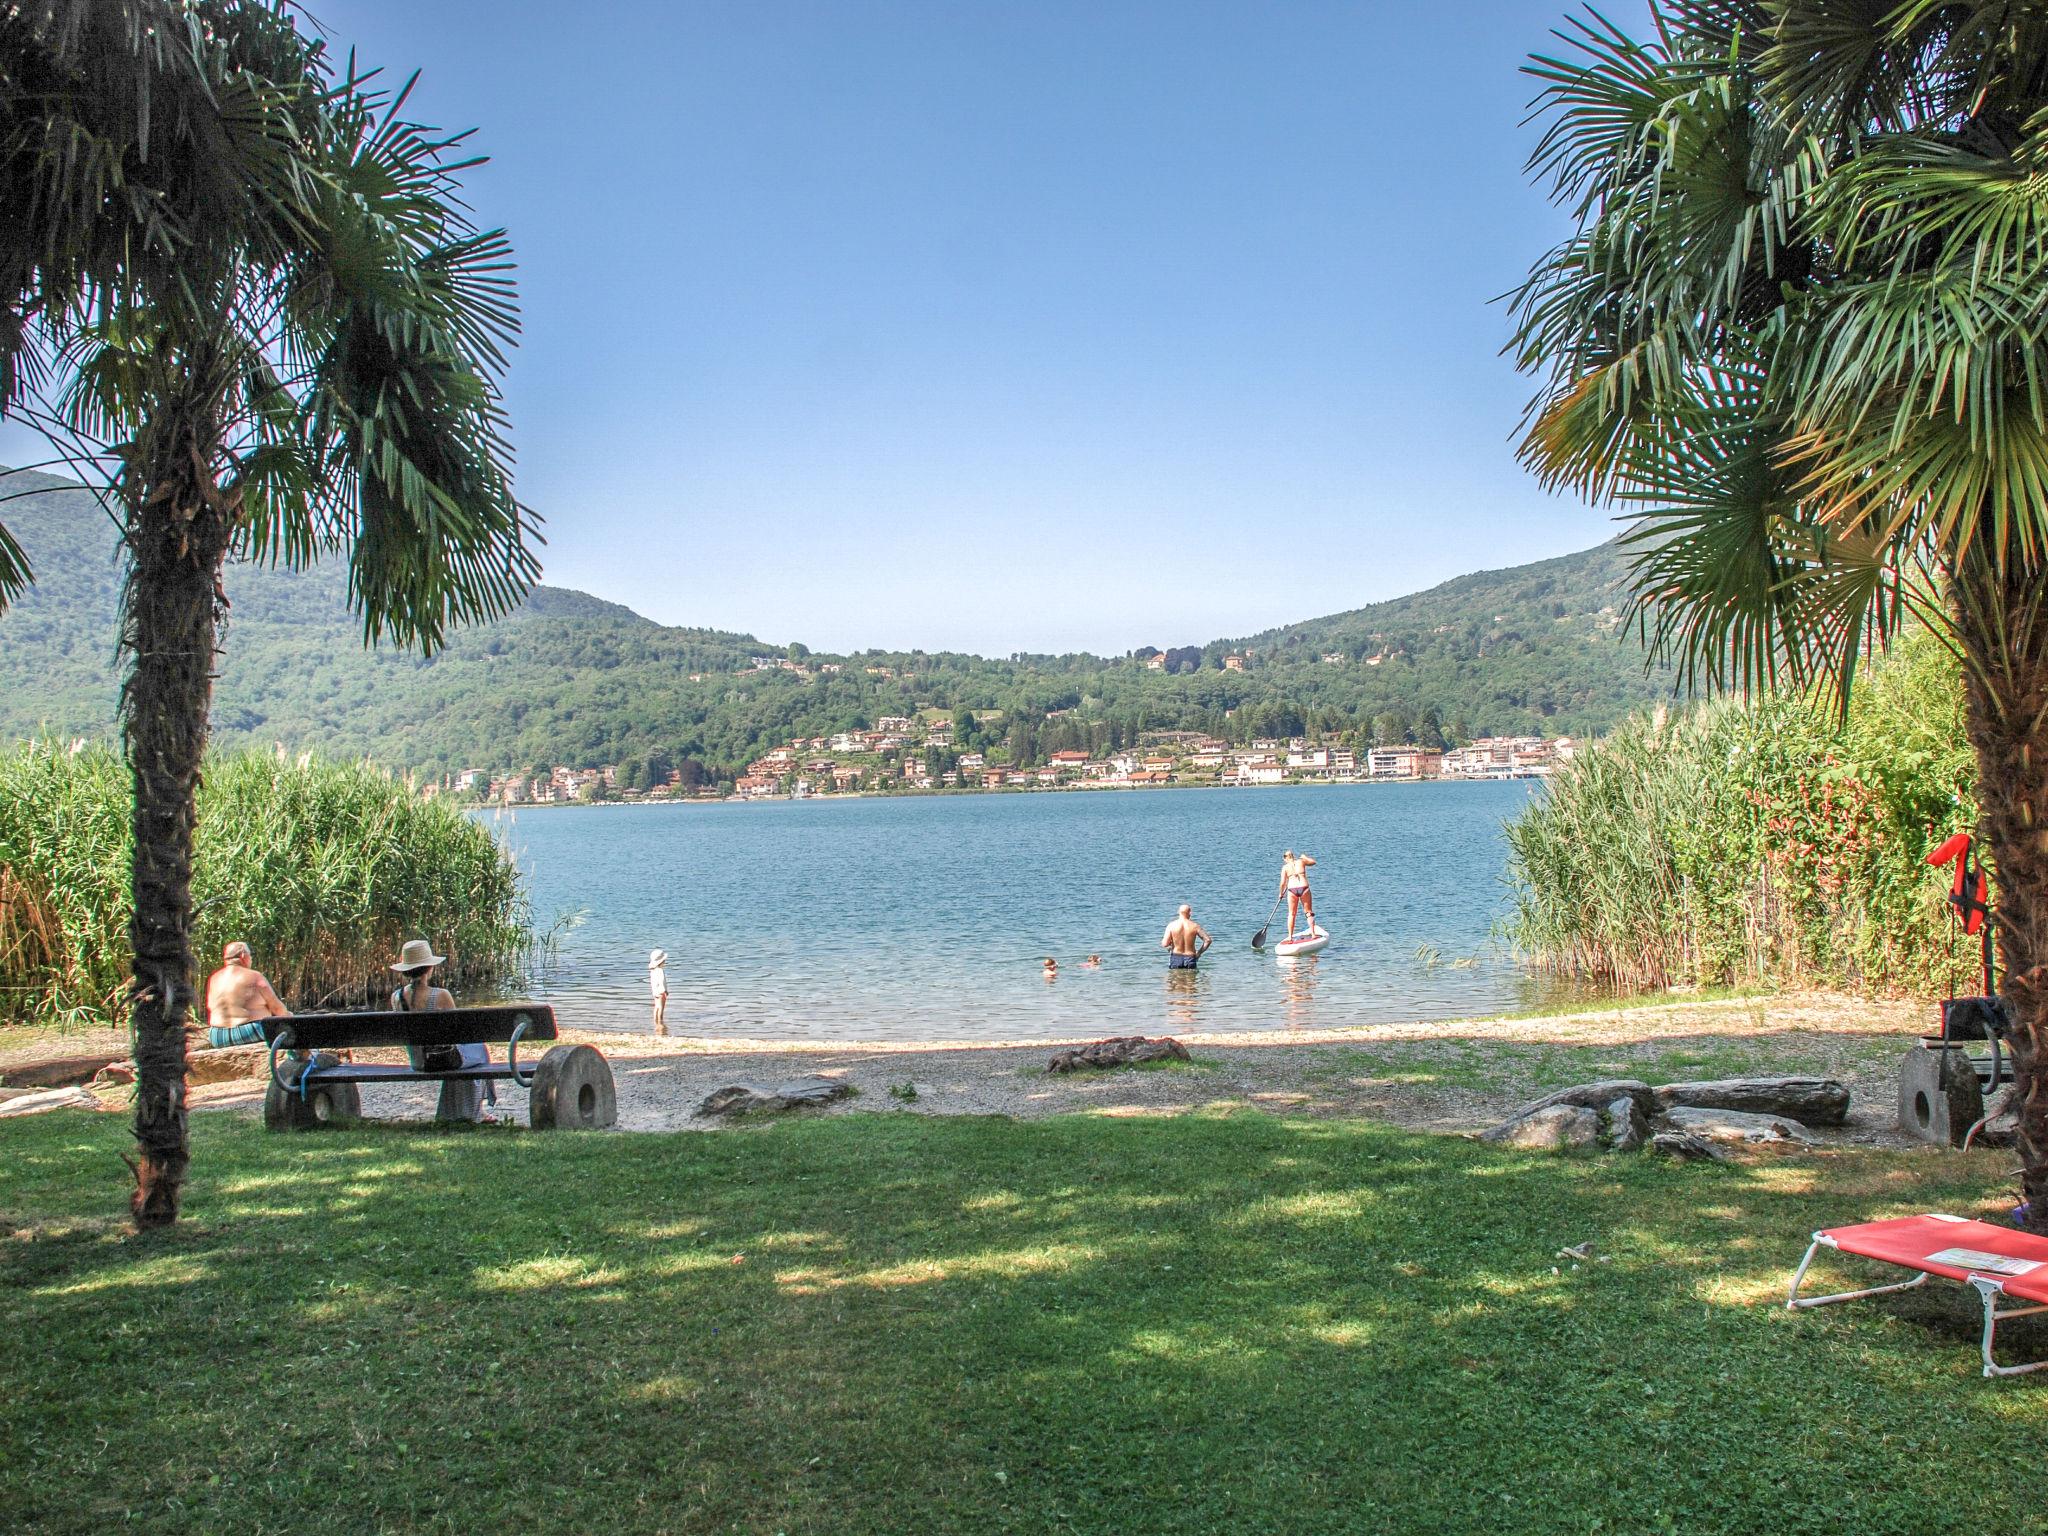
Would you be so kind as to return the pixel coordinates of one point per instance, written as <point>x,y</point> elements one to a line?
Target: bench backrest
<point>449,1026</point>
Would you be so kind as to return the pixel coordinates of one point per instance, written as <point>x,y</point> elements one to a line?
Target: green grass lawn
<point>1540,1066</point>
<point>895,1323</point>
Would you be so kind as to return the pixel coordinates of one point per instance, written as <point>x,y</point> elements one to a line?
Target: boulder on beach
<point>72,1097</point>
<point>1818,1101</point>
<point>1623,1115</point>
<point>1686,1147</point>
<point>1122,1051</point>
<point>1627,1126</point>
<point>1597,1096</point>
<point>1616,1110</point>
<point>1552,1128</point>
<point>1734,1125</point>
<point>803,1093</point>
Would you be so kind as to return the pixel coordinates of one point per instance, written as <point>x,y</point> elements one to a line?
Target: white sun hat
<point>417,955</point>
<point>658,957</point>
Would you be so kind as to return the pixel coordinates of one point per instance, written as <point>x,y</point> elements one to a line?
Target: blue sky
<point>1031,325</point>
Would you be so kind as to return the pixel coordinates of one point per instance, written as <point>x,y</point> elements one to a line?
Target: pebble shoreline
<point>1444,1077</point>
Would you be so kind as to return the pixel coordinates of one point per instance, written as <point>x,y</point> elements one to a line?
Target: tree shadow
<point>1215,1322</point>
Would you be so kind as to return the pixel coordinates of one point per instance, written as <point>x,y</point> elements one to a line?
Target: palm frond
<point>1599,99</point>
<point>1713,555</point>
<point>1800,321</point>
<point>1844,69</point>
<point>1910,201</point>
<point>1938,477</point>
<point>16,574</point>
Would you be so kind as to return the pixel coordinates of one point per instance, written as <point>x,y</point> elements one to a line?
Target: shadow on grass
<point>884,1323</point>
<point>1484,1064</point>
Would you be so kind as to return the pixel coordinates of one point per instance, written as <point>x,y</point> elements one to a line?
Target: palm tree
<point>1800,326</point>
<point>238,287</point>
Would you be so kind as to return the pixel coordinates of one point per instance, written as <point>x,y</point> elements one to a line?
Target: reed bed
<point>323,868</point>
<point>1761,843</point>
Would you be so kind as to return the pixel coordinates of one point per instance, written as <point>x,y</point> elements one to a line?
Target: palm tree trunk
<point>2003,618</point>
<point>178,537</point>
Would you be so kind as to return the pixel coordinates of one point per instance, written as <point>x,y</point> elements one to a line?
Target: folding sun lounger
<point>1992,1261</point>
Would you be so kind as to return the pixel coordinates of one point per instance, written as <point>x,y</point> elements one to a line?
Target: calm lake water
<point>927,918</point>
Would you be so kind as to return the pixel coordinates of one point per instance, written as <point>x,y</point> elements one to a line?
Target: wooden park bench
<point>569,1088</point>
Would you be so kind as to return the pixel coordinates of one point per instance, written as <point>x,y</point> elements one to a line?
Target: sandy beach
<point>1446,1077</point>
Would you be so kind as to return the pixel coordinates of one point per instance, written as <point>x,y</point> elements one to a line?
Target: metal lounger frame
<point>1988,1288</point>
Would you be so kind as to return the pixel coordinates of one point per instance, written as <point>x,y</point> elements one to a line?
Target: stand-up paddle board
<point>1303,943</point>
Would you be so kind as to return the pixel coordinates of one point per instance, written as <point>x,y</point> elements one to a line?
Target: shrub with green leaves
<point>324,868</point>
<point>1764,843</point>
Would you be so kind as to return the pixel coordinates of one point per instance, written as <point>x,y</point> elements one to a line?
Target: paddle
<point>1259,938</point>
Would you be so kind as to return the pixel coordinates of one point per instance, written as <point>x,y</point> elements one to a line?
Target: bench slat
<point>370,1072</point>
<point>452,1026</point>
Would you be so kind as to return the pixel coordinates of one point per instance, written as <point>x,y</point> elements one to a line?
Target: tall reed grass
<point>1764,843</point>
<point>323,868</point>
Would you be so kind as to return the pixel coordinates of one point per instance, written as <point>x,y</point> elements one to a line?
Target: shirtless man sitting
<point>1185,941</point>
<point>237,995</point>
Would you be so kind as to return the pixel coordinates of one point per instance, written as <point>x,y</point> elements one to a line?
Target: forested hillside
<point>574,680</point>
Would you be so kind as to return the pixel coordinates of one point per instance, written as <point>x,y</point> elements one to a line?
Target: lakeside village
<point>918,753</point>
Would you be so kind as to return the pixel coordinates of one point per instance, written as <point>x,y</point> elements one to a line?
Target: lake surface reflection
<point>927,918</point>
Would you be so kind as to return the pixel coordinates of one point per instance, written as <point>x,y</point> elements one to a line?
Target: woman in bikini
<point>1294,869</point>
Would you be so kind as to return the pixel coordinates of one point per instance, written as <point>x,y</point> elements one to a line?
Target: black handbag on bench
<point>427,1058</point>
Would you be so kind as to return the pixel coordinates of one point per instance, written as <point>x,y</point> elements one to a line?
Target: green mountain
<point>575,680</point>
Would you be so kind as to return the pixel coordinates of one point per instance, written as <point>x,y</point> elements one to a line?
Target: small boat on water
<point>1303,943</point>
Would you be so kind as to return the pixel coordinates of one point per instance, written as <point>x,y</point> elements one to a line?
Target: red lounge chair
<point>1992,1261</point>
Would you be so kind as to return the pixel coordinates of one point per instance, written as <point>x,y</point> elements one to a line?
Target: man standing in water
<point>1185,941</point>
<point>1294,869</point>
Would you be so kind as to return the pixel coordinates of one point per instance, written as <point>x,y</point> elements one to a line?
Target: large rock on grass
<point>1123,1051</point>
<point>1686,1147</point>
<point>1733,1125</point>
<point>1551,1128</point>
<point>1809,1100</point>
<point>746,1099</point>
<point>1597,1096</point>
<point>58,1071</point>
<point>71,1097</point>
<point>1616,1109</point>
<point>1627,1126</point>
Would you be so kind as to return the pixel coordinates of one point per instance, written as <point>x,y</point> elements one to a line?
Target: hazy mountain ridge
<point>575,679</point>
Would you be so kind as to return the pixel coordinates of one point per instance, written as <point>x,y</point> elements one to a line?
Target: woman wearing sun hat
<point>657,981</point>
<point>459,1098</point>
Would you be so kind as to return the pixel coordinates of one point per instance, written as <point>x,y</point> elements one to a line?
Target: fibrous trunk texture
<point>178,537</point>
<point>2003,616</point>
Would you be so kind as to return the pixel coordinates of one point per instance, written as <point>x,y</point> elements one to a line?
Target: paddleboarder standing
<point>1185,942</point>
<point>1294,868</point>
